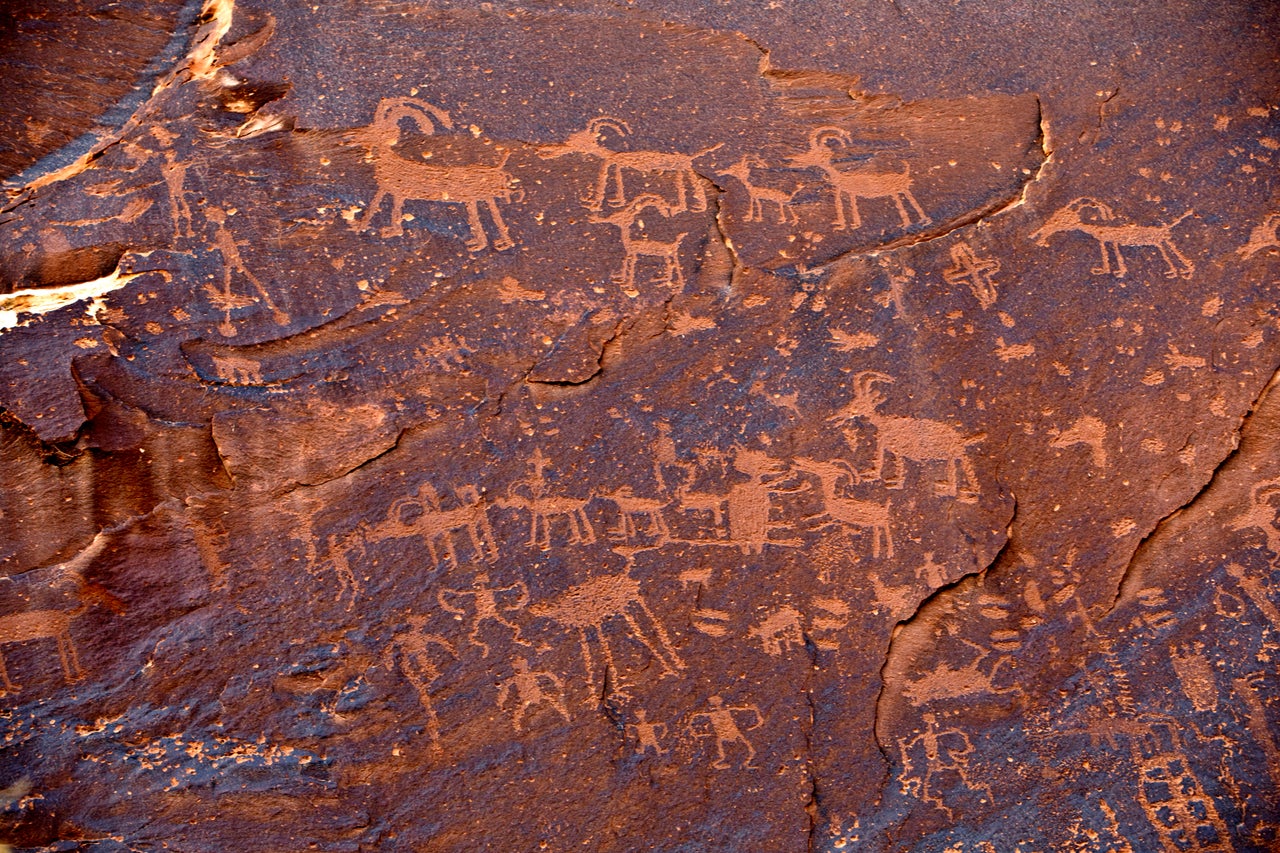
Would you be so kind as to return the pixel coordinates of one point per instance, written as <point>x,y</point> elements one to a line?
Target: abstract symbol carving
<point>486,606</point>
<point>407,180</point>
<point>974,272</point>
<point>1111,237</point>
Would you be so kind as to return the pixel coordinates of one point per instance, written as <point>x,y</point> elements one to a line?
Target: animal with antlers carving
<point>403,180</point>
<point>589,142</point>
<point>845,511</point>
<point>917,439</point>
<point>636,245</point>
<point>757,195</point>
<point>851,185</point>
<point>1111,237</point>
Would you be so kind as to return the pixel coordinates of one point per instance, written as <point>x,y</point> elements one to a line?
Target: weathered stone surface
<point>498,426</point>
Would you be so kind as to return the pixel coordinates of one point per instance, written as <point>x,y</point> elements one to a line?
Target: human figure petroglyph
<point>54,624</point>
<point>404,180</point>
<point>544,509</point>
<point>943,751</point>
<point>853,184</point>
<point>589,142</point>
<point>648,735</point>
<point>724,728</point>
<point>1261,514</point>
<point>1265,235</point>
<point>1111,237</point>
<point>915,439</point>
<point>174,172</point>
<point>631,507</point>
<point>635,245</point>
<point>949,682</point>
<point>974,272</point>
<point>419,666</point>
<point>1089,431</point>
<point>487,604</point>
<point>339,546</point>
<point>758,196</point>
<point>531,688</point>
<point>232,262</point>
<point>423,516</point>
<point>845,511</point>
<point>586,608</point>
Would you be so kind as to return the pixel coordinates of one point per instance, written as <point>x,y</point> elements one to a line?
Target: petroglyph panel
<point>470,426</point>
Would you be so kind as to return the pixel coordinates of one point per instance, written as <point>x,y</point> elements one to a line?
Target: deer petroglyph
<point>758,196</point>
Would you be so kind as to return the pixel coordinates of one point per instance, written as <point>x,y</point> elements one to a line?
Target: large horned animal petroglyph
<point>403,180</point>
<point>851,185</point>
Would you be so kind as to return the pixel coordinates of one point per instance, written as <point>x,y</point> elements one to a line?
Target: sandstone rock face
<point>465,426</point>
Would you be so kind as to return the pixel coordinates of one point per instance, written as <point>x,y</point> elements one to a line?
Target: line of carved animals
<point>401,179</point>
<point>1097,219</point>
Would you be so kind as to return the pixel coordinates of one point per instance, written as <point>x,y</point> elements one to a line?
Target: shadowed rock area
<point>664,426</point>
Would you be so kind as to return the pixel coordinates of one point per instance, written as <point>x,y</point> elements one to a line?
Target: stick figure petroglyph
<point>724,728</point>
<point>174,172</point>
<point>544,509</point>
<point>224,300</point>
<point>531,688</point>
<point>648,735</point>
<point>915,439</point>
<point>1111,237</point>
<point>635,245</point>
<point>409,180</point>
<point>974,272</point>
<point>943,751</point>
<point>757,195</point>
<point>419,667</point>
<point>851,185</point>
<point>589,142</point>
<point>486,605</point>
<point>589,605</point>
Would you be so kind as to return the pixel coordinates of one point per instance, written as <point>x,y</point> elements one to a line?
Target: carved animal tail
<point>705,151</point>
<point>1175,222</point>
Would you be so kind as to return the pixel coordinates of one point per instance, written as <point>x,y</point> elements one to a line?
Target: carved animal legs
<point>504,240</point>
<point>902,211</point>
<point>4,678</point>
